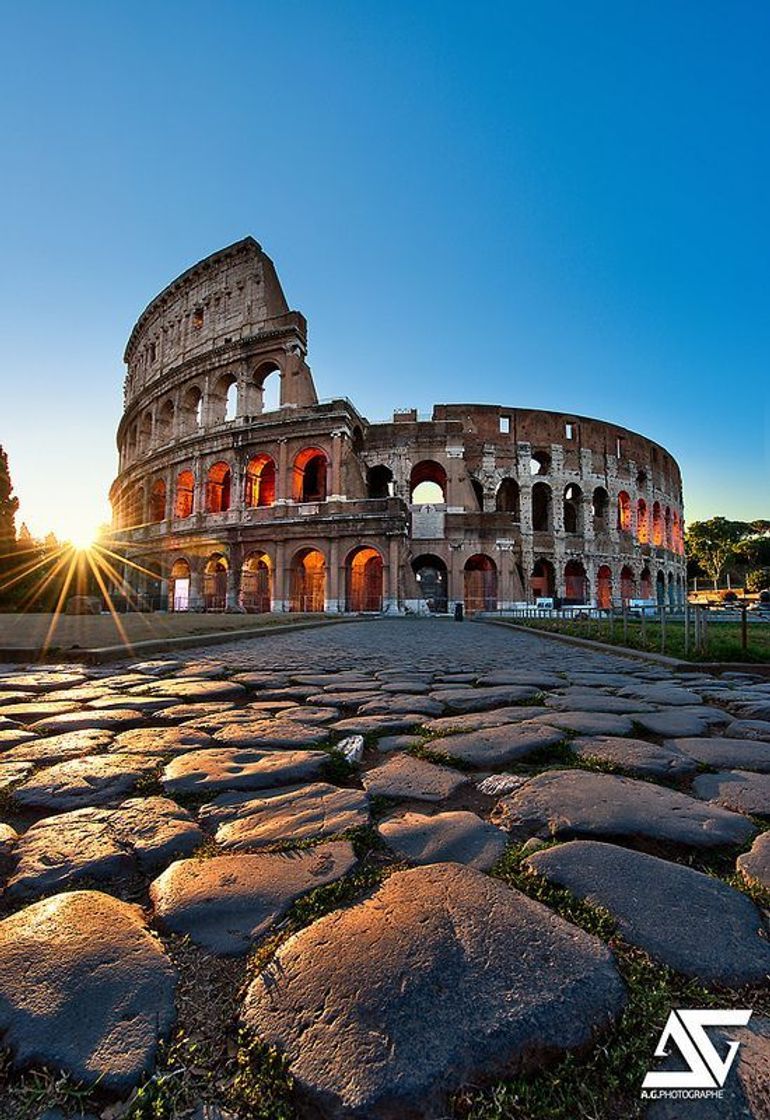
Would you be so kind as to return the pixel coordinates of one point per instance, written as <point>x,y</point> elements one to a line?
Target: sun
<point>82,539</point>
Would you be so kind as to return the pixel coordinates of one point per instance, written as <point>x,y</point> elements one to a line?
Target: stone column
<point>279,604</point>
<point>195,602</point>
<point>332,604</point>
<point>391,597</point>
<point>456,580</point>
<point>282,481</point>
<point>235,562</point>
<point>335,488</point>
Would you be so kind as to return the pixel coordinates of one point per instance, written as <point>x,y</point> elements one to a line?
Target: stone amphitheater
<point>239,489</point>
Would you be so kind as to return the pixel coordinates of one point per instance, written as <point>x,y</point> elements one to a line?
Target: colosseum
<point>238,489</point>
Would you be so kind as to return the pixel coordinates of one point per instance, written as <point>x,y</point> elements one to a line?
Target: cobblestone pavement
<point>354,872</point>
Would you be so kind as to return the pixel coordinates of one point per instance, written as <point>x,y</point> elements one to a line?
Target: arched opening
<point>542,519</point>
<point>191,410</point>
<point>363,580</point>
<point>645,584</point>
<point>255,583</point>
<point>604,587</point>
<point>145,432</point>
<point>185,495</point>
<point>427,484</point>
<point>134,507</point>
<point>480,584</point>
<point>165,422</point>
<point>660,589</point>
<point>478,493</point>
<point>267,380</point>
<point>223,399</point>
<point>676,533</point>
<point>379,482</point>
<point>507,498</point>
<point>667,528</point>
<point>624,512</point>
<point>573,509</point>
<point>218,485</point>
<point>642,529</point>
<point>657,524</point>
<point>641,479</point>
<point>309,483</point>
<point>259,482</point>
<point>215,583</point>
<point>542,582</point>
<point>158,501</point>
<point>431,576</point>
<point>179,586</point>
<point>575,582</point>
<point>539,463</point>
<point>308,582</point>
<point>671,589</point>
<point>627,584</point>
<point>600,504</point>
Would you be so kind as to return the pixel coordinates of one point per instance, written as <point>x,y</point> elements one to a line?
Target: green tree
<point>715,543</point>
<point>8,507</point>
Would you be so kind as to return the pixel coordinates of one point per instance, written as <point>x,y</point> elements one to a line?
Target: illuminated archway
<point>427,483</point>
<point>627,584</point>
<point>218,486</point>
<point>179,586</point>
<point>542,582</point>
<point>480,584</point>
<point>158,501</point>
<point>575,582</point>
<point>363,580</point>
<point>308,582</point>
<point>185,495</point>
<point>259,482</point>
<point>256,583</point>
<point>604,587</point>
<point>624,512</point>
<point>215,583</point>
<point>309,476</point>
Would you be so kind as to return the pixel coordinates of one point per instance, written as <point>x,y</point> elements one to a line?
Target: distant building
<point>233,498</point>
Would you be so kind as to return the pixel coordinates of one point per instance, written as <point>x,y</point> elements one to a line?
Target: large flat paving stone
<point>746,1093</point>
<point>473,721</point>
<point>403,777</point>
<point>456,837</point>
<point>457,980</point>
<point>31,711</point>
<point>225,903</point>
<point>267,734</point>
<point>378,725</point>
<point>636,756</point>
<point>594,701</point>
<point>161,740</point>
<point>496,746</point>
<point>84,988</point>
<point>739,790</point>
<point>402,705</point>
<point>252,820</point>
<point>221,768</point>
<point>191,691</point>
<point>671,723</point>
<point>749,729</point>
<point>96,779</point>
<point>740,754</point>
<point>88,720</point>
<point>44,681</point>
<point>479,699</point>
<point>143,834</point>
<point>58,748</point>
<point>539,679</point>
<point>589,723</point>
<point>754,865</point>
<point>692,922</point>
<point>667,695</point>
<point>570,804</point>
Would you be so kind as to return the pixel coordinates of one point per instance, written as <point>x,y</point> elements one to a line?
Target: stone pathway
<point>202,838</point>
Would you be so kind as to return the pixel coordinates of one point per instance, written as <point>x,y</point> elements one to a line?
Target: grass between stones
<point>604,1083</point>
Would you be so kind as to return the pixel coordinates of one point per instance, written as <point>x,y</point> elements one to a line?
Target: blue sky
<point>551,205</point>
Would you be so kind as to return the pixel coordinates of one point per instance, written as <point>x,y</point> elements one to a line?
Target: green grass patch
<point>723,639</point>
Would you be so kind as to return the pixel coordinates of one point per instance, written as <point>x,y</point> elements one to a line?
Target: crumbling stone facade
<point>226,498</point>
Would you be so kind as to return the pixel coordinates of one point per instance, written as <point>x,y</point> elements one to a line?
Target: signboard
<point>428,523</point>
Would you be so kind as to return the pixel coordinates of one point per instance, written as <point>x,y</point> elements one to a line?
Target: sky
<point>550,205</point>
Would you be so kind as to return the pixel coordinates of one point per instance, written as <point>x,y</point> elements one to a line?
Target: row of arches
<point>662,589</point>
<point>309,475</point>
<point>201,406</point>
<point>255,590</point>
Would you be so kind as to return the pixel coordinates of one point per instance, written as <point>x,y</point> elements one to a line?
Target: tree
<point>713,544</point>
